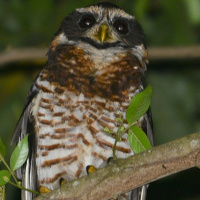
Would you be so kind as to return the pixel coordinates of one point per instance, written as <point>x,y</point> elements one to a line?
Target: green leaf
<point>19,154</point>
<point>2,148</point>
<point>4,177</point>
<point>106,130</point>
<point>139,105</point>
<point>138,140</point>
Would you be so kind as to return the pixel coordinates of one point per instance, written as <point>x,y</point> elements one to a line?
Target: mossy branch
<point>125,174</point>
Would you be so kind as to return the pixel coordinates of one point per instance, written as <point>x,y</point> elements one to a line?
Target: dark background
<point>175,82</point>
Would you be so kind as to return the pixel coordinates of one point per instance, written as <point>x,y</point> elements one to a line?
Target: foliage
<point>17,159</point>
<point>137,108</point>
<point>138,139</point>
<point>136,136</point>
<point>139,105</point>
<point>4,177</point>
<point>20,154</point>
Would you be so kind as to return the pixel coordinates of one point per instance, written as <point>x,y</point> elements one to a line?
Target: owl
<point>96,64</point>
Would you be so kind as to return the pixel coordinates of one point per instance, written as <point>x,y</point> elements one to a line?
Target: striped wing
<point>27,173</point>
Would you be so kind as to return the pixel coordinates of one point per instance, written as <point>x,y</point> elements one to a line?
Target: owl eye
<point>87,21</point>
<point>121,26</point>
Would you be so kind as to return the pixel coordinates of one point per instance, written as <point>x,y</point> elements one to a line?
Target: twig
<point>23,54</point>
<point>125,174</point>
<point>170,53</point>
<point>155,53</point>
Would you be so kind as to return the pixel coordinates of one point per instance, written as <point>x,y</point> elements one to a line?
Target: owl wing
<point>147,127</point>
<point>25,125</point>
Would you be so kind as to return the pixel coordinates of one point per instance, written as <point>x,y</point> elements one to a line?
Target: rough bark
<point>126,174</point>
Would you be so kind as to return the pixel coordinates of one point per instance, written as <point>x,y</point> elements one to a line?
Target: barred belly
<point>70,136</point>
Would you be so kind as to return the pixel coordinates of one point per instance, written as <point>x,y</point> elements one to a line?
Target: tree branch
<point>155,53</point>
<point>174,53</point>
<point>23,54</point>
<point>126,174</point>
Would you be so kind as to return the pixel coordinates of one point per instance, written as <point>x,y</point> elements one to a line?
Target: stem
<point>35,192</point>
<point>129,126</point>
<point>119,134</point>
<point>23,188</point>
<point>114,149</point>
<point>11,172</point>
<point>13,184</point>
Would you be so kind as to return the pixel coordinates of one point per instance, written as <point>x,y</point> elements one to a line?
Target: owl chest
<point>69,133</point>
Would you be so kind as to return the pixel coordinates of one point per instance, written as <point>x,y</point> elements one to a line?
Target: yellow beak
<point>103,36</point>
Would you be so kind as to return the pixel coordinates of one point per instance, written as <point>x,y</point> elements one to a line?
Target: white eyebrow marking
<point>116,12</point>
<point>112,12</point>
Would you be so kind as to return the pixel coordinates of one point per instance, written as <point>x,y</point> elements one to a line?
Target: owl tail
<point>139,193</point>
<point>29,181</point>
<point>136,194</point>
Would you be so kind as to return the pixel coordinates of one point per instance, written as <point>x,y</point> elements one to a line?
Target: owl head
<point>102,25</point>
<point>100,45</point>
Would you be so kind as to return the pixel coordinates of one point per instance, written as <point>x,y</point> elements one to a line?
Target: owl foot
<point>90,169</point>
<point>110,159</point>
<point>62,181</point>
<point>44,190</point>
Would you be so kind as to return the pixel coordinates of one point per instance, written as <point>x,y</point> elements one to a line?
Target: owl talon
<point>44,190</point>
<point>90,169</point>
<point>109,160</point>
<point>62,181</point>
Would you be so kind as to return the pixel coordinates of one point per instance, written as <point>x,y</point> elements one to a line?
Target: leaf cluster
<point>138,107</point>
<point>136,136</point>
<point>17,159</point>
